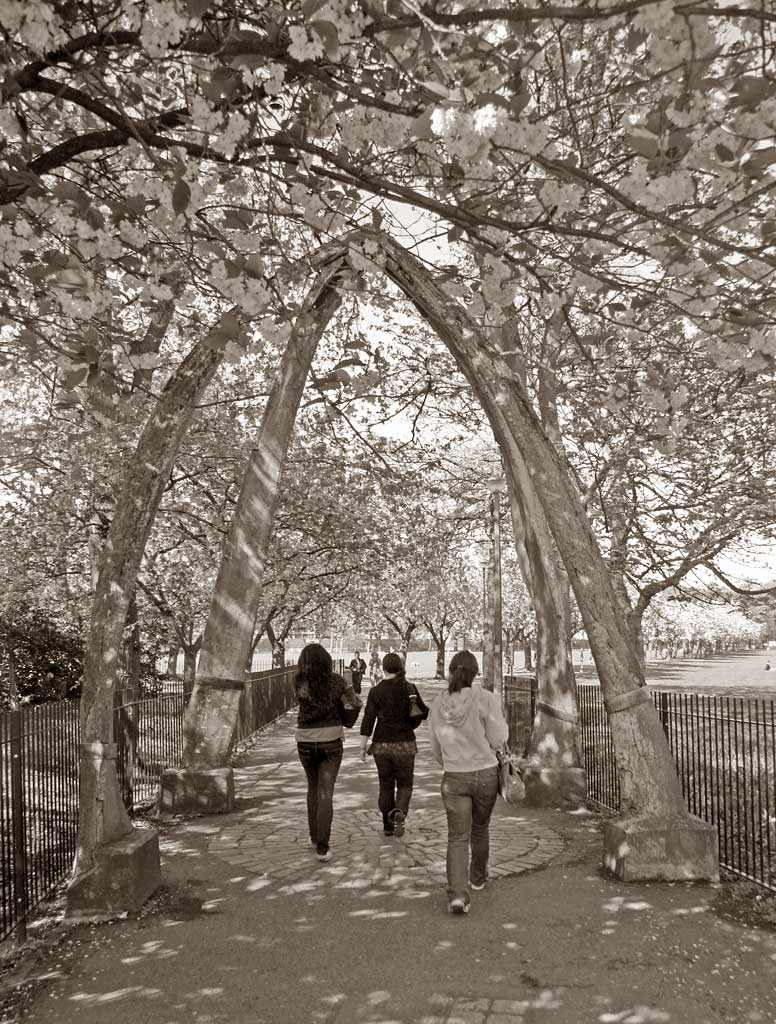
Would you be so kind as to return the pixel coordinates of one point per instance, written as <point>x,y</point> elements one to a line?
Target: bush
<point>48,656</point>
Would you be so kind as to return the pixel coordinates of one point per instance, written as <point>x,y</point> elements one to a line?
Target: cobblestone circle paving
<point>271,840</point>
<point>273,846</point>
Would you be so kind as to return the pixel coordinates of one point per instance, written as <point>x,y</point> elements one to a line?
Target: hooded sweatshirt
<point>466,728</point>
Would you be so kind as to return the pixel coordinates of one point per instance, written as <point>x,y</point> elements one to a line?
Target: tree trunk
<point>126,693</point>
<point>279,653</point>
<point>555,736</point>
<point>172,659</point>
<point>131,650</point>
<point>649,784</point>
<point>635,627</point>
<point>96,538</point>
<point>492,652</point>
<point>190,652</point>
<point>509,651</point>
<point>151,342</point>
<point>632,615</point>
<point>440,658</point>
<point>102,818</point>
<point>527,656</point>
<point>212,711</point>
<point>278,646</point>
<point>439,640</point>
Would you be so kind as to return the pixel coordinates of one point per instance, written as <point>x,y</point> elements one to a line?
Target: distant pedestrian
<point>375,669</point>
<point>466,728</point>
<point>326,704</point>
<point>388,713</point>
<point>767,666</point>
<point>357,669</point>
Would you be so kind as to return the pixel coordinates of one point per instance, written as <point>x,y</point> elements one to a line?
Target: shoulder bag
<point>511,787</point>
<point>418,711</point>
<point>348,707</point>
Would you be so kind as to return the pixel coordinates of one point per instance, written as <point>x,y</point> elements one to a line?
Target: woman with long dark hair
<point>466,727</point>
<point>394,709</point>
<point>326,705</point>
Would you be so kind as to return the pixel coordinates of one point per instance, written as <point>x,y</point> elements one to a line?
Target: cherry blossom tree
<point>168,165</point>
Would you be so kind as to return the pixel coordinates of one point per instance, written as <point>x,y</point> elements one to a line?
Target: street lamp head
<point>496,484</point>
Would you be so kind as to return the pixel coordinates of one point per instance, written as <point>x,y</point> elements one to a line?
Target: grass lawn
<point>741,673</point>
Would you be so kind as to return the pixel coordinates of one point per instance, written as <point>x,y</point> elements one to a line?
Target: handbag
<point>348,709</point>
<point>511,787</point>
<point>417,712</point>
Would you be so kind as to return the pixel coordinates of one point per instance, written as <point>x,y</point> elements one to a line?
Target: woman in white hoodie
<point>467,727</point>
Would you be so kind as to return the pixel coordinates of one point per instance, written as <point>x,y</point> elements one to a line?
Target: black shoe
<point>397,817</point>
<point>458,906</point>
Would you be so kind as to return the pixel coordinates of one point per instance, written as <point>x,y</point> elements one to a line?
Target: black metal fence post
<point>664,715</point>
<point>17,814</point>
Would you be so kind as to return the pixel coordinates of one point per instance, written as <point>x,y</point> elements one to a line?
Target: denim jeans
<point>395,773</point>
<point>321,762</point>
<point>468,798</point>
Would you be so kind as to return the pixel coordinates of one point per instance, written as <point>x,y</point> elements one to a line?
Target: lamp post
<point>492,662</point>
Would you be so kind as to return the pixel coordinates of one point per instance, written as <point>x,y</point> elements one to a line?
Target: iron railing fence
<point>149,738</point>
<point>38,806</point>
<point>267,695</point>
<point>603,785</point>
<point>725,753</point>
<point>39,750</point>
<point>519,710</point>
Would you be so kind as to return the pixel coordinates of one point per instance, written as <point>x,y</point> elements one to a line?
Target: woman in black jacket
<point>393,745</point>
<point>326,703</point>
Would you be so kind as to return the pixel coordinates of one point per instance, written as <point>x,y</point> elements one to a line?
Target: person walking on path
<point>466,727</point>
<point>326,704</point>
<point>357,668</point>
<point>394,709</point>
<point>375,673</point>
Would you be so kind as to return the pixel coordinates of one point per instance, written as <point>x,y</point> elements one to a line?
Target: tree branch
<point>737,590</point>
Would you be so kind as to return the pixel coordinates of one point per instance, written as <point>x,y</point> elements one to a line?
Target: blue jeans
<point>395,773</point>
<point>468,798</point>
<point>321,762</point>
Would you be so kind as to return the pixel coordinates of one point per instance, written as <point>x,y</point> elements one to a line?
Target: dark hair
<point>315,669</point>
<point>392,663</point>
<point>462,670</point>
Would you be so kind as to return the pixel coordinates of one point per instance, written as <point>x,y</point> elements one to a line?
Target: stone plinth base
<point>565,788</point>
<point>668,849</point>
<point>197,791</point>
<point>125,874</point>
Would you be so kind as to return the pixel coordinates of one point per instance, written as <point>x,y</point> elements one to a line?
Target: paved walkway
<point>271,838</point>
<point>252,929</point>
